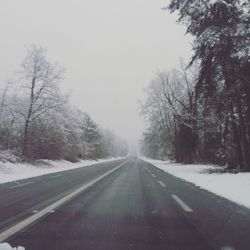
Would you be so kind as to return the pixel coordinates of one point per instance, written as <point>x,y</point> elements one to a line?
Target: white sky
<point>110,50</point>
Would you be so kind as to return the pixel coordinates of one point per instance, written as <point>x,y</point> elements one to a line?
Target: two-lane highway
<point>134,206</point>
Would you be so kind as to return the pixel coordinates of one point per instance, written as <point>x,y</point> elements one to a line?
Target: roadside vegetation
<point>37,120</point>
<point>201,111</point>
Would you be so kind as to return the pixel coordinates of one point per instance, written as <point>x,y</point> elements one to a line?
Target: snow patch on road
<point>17,171</point>
<point>228,185</point>
<point>6,246</point>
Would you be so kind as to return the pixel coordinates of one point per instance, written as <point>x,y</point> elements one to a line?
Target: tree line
<point>201,112</point>
<point>37,120</point>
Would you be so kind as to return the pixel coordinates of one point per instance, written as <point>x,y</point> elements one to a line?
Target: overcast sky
<point>110,50</point>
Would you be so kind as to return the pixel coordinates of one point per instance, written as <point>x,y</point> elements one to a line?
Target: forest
<point>37,120</point>
<point>200,112</point>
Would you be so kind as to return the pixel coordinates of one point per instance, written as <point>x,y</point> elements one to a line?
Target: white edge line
<point>182,204</point>
<point>26,222</point>
<point>162,184</point>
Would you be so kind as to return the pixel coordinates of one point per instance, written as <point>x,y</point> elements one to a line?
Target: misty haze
<point>125,125</point>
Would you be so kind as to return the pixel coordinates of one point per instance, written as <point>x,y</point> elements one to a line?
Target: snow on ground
<point>232,186</point>
<point>6,246</point>
<point>9,156</point>
<point>17,171</point>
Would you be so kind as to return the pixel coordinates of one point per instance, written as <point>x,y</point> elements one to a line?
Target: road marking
<point>162,184</point>
<point>55,176</point>
<point>182,204</point>
<point>21,185</point>
<point>153,176</point>
<point>227,248</point>
<point>33,218</point>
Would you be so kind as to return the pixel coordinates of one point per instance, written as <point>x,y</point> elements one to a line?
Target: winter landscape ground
<point>231,186</point>
<point>86,87</point>
<point>14,170</point>
<point>198,215</point>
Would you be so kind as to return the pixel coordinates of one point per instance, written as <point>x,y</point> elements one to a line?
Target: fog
<point>110,50</point>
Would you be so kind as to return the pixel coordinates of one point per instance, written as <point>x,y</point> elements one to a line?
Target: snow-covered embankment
<point>232,186</point>
<point>17,171</point>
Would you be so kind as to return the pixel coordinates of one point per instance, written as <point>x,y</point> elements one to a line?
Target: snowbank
<point>6,246</point>
<point>17,171</point>
<point>228,185</point>
<point>9,156</point>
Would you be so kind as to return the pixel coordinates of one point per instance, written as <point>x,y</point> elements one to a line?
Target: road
<point>119,205</point>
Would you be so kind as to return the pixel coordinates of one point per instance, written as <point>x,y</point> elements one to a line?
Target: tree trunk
<point>28,119</point>
<point>244,141</point>
<point>235,98</point>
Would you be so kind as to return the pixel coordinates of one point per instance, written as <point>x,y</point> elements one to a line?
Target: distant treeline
<point>201,113</point>
<point>37,121</point>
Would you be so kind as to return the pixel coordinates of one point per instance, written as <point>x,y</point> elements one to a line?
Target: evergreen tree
<point>221,31</point>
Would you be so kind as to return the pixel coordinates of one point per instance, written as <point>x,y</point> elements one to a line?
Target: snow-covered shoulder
<point>17,171</point>
<point>228,185</point>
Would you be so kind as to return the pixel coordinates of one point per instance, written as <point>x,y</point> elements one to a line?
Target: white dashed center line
<point>182,204</point>
<point>227,248</point>
<point>153,176</point>
<point>162,184</point>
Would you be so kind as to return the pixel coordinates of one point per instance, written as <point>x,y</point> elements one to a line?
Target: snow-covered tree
<point>39,79</point>
<point>221,46</point>
<point>169,111</point>
<point>37,120</point>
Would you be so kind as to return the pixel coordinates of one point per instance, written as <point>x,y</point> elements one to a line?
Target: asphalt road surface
<point>122,205</point>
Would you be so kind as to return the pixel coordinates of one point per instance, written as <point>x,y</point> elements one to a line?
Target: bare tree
<point>39,78</point>
<point>170,112</point>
